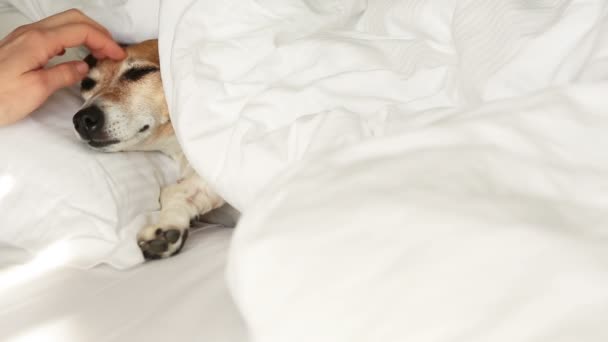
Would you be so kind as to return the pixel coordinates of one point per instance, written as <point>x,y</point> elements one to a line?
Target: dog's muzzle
<point>89,122</point>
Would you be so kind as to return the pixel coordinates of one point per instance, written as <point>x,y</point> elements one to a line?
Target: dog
<point>125,110</point>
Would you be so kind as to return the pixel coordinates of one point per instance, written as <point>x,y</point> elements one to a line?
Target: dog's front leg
<point>180,203</point>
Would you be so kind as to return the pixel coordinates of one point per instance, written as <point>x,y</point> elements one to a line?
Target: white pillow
<point>55,189</point>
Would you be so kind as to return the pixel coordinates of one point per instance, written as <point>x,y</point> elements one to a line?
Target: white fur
<point>180,203</point>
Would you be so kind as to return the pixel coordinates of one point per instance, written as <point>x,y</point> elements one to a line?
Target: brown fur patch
<point>147,50</point>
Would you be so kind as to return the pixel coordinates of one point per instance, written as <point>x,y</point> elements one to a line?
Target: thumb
<point>62,75</point>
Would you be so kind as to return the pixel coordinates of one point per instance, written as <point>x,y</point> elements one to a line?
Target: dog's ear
<point>91,61</point>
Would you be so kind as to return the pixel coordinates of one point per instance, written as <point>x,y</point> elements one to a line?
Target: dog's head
<point>125,108</point>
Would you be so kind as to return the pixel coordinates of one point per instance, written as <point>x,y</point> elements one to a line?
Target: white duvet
<point>489,225</point>
<point>408,170</point>
<point>256,85</point>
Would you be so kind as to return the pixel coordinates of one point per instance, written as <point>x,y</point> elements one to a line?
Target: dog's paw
<point>158,243</point>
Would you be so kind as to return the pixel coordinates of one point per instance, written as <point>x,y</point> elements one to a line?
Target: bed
<point>406,170</point>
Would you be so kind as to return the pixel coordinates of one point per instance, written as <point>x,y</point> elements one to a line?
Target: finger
<point>98,55</point>
<point>47,81</point>
<point>96,41</point>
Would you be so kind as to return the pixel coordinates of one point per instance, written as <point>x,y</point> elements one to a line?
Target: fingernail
<point>82,67</point>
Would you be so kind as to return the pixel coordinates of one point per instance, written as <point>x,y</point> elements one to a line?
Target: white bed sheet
<point>180,299</point>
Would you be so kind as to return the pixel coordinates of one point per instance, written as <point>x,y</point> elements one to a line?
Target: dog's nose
<point>88,121</point>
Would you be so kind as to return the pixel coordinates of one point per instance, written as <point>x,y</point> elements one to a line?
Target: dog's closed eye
<point>137,73</point>
<point>87,84</point>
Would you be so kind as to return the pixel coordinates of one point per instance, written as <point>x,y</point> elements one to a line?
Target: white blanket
<point>465,196</point>
<point>489,225</point>
<point>256,85</point>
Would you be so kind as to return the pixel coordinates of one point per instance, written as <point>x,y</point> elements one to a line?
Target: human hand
<point>24,82</point>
